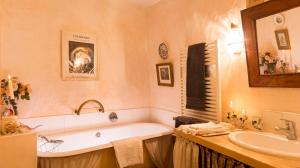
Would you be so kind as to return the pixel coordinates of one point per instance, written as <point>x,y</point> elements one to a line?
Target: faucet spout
<point>100,108</point>
<point>290,129</point>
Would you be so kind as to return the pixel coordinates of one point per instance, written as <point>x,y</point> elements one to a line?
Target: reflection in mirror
<point>278,38</point>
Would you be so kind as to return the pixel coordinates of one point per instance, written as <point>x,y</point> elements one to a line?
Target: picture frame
<point>282,39</point>
<point>79,59</point>
<point>164,74</point>
<point>251,3</point>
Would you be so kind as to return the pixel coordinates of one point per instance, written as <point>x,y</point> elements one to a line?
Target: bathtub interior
<point>78,142</point>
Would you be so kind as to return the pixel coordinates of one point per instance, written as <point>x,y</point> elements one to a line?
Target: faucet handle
<point>288,123</point>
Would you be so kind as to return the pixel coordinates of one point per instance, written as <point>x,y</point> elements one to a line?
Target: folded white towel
<point>206,129</point>
<point>129,152</point>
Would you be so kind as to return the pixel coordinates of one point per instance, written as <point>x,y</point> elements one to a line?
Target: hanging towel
<point>184,120</point>
<point>195,81</point>
<point>129,152</point>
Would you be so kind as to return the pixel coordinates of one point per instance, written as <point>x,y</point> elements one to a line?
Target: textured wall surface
<point>30,49</point>
<point>180,24</point>
<point>128,38</point>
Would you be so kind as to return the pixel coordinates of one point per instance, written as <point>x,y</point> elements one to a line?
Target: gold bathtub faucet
<point>100,109</point>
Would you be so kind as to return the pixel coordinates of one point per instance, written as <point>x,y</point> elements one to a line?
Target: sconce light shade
<point>235,42</point>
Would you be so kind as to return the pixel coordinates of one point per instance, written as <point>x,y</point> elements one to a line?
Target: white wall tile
<point>63,123</point>
<point>163,116</point>
<point>293,117</point>
<point>271,119</point>
<point>48,124</point>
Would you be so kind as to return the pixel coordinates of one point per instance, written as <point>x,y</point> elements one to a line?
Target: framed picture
<point>79,56</point>
<point>165,74</point>
<point>251,3</point>
<point>283,40</point>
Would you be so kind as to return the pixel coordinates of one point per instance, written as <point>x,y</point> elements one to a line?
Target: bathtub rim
<point>102,146</point>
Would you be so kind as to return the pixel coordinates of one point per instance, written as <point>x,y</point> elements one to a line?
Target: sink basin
<point>267,143</point>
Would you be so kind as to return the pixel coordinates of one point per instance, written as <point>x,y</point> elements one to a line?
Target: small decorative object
<point>232,117</point>
<point>79,56</point>
<point>113,117</point>
<point>282,38</point>
<point>11,90</point>
<point>257,123</point>
<point>163,51</point>
<point>279,19</point>
<point>9,125</point>
<point>243,118</point>
<point>251,3</point>
<point>165,74</point>
<point>283,66</point>
<point>297,68</point>
<point>268,62</point>
<point>237,121</point>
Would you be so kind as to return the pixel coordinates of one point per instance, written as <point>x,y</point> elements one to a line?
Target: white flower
<point>267,58</point>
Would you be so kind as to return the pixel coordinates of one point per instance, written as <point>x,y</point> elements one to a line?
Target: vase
<point>271,68</point>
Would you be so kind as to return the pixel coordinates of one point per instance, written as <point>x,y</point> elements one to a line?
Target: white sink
<point>267,143</point>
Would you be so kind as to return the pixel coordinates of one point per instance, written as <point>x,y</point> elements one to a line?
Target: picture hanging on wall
<point>283,40</point>
<point>79,56</point>
<point>165,74</point>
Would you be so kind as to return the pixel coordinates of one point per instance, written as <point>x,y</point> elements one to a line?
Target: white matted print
<point>165,74</point>
<point>79,56</point>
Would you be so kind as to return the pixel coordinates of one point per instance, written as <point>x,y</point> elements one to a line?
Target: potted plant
<point>11,90</point>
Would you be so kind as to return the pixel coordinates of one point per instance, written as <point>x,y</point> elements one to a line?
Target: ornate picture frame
<point>164,74</point>
<point>79,56</point>
<point>249,19</point>
<point>251,3</point>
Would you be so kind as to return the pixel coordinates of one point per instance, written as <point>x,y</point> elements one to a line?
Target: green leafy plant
<point>20,91</point>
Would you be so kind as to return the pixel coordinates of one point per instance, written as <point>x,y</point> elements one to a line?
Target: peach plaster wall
<point>180,23</point>
<point>30,49</point>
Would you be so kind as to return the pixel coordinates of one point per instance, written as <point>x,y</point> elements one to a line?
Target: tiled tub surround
<point>65,123</point>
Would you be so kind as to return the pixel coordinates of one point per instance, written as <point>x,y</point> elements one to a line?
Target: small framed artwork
<point>251,3</point>
<point>283,40</point>
<point>165,74</point>
<point>79,56</point>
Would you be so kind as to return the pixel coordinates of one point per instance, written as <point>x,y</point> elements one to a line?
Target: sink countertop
<point>223,145</point>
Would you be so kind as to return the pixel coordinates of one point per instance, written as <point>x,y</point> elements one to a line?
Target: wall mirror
<point>272,41</point>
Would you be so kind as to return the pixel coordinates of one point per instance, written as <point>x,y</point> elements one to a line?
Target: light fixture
<point>235,41</point>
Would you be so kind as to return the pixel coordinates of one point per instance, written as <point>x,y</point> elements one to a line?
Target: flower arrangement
<point>270,61</point>
<point>12,90</point>
<point>283,66</point>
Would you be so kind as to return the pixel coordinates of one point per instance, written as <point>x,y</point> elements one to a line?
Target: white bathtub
<point>86,141</point>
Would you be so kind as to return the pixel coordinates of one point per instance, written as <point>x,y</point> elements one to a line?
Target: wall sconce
<point>236,40</point>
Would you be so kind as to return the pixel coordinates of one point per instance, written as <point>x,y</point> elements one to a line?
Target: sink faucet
<point>100,109</point>
<point>290,129</point>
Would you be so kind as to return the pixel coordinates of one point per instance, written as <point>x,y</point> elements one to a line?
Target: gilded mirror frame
<point>249,17</point>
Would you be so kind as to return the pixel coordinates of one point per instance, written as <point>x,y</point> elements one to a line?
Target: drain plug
<point>98,134</point>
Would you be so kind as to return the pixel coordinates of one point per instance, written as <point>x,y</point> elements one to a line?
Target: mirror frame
<point>249,17</point>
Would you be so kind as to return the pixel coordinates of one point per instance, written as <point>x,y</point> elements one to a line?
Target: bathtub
<point>79,142</point>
